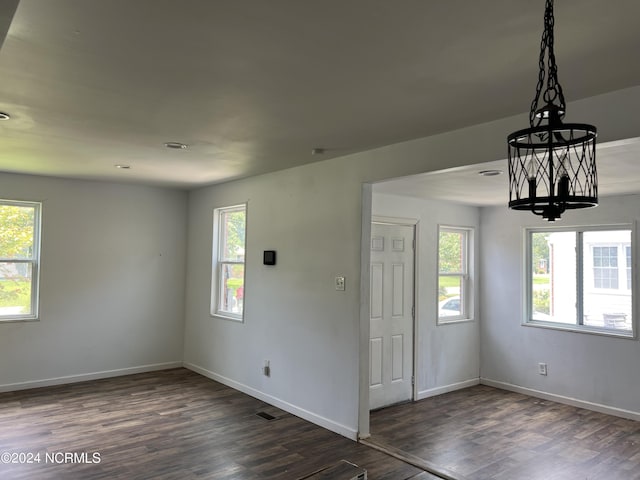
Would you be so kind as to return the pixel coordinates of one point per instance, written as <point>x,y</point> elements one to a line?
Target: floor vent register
<point>342,470</point>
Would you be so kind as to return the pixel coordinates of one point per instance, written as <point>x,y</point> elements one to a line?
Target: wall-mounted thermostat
<point>269,257</point>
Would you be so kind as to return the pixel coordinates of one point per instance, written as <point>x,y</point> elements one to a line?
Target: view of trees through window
<point>231,253</point>
<point>452,273</point>
<point>540,268</point>
<point>17,237</point>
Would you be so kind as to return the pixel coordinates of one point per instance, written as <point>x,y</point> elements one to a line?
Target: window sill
<point>454,321</point>
<point>18,319</point>
<point>576,329</point>
<point>228,317</point>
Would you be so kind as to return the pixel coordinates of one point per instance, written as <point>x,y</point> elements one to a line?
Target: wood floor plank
<point>170,425</point>
<point>485,433</point>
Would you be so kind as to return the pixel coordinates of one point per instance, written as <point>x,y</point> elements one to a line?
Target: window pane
<point>229,255</point>
<point>593,267</point>
<point>607,279</point>
<point>16,232</point>
<point>232,288</point>
<point>449,295</point>
<point>15,288</point>
<point>454,301</point>
<point>451,252</point>
<point>232,225</point>
<point>553,283</point>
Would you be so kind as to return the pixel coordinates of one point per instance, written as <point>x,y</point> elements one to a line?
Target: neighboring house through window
<point>19,260</point>
<point>580,278</point>
<point>228,262</point>
<point>605,267</point>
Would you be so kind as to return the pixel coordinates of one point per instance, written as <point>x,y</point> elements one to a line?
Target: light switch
<point>340,283</point>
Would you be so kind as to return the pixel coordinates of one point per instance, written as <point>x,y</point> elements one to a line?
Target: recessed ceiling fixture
<point>490,173</point>
<point>176,145</point>
<point>317,151</point>
<point>552,165</point>
<point>123,167</point>
<point>4,116</point>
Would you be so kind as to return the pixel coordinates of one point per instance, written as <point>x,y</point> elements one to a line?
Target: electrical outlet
<point>340,282</point>
<point>542,368</point>
<point>266,369</point>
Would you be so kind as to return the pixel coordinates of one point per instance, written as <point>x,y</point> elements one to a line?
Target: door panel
<point>397,287</point>
<point>391,322</point>
<point>397,357</point>
<point>376,290</point>
<point>376,361</point>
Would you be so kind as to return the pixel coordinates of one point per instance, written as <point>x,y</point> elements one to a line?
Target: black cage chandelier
<point>552,165</point>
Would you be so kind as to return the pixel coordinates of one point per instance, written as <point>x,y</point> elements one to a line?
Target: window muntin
<point>229,262</point>
<point>19,260</point>
<point>580,278</point>
<point>453,274</point>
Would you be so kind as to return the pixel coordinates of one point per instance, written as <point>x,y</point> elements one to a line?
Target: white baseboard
<point>574,402</point>
<point>432,392</point>
<point>276,402</point>
<point>48,382</point>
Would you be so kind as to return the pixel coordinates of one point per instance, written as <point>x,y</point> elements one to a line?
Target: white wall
<point>448,355</point>
<point>111,285</point>
<point>595,370</point>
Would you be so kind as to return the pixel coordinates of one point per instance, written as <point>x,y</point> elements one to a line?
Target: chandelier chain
<point>553,91</point>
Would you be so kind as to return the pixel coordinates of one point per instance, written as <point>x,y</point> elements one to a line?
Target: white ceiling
<point>618,165</point>
<point>253,86</point>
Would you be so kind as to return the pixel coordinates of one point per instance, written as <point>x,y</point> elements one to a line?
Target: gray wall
<point>294,317</point>
<point>113,275</point>
<point>111,284</point>
<point>587,369</point>
<point>316,217</point>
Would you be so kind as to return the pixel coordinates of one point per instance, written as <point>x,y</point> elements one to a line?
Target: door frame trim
<point>414,223</point>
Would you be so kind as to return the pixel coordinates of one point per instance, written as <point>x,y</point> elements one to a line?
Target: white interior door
<point>391,323</point>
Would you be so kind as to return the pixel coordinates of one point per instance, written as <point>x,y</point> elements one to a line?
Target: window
<point>19,259</point>
<point>228,262</point>
<point>454,292</point>
<point>605,267</point>
<point>580,278</point>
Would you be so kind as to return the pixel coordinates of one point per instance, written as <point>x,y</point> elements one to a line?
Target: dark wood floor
<point>485,433</point>
<point>173,424</point>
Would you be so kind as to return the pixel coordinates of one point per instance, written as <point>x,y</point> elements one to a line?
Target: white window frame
<point>628,267</point>
<point>465,276</point>
<point>34,261</point>
<point>581,266</point>
<point>218,264</point>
